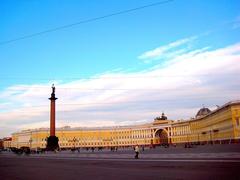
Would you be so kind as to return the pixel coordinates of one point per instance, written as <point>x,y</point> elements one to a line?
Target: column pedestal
<point>52,143</point>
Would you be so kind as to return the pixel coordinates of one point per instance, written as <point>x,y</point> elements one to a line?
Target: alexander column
<point>52,140</point>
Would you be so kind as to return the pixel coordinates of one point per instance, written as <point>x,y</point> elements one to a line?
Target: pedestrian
<point>136,151</point>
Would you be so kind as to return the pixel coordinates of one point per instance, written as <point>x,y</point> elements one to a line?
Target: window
<point>237,121</point>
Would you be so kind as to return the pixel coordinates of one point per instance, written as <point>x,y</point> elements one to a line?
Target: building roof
<point>7,139</point>
<point>203,112</point>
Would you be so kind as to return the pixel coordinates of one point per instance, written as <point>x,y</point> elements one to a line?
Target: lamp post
<point>46,140</point>
<point>198,138</point>
<point>30,143</point>
<point>211,137</point>
<point>131,137</point>
<point>74,141</point>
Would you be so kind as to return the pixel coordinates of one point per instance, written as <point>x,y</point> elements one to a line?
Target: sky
<point>127,69</point>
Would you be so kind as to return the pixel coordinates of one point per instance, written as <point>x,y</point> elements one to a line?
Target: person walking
<point>136,151</point>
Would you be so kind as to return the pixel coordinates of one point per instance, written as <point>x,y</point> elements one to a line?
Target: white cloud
<point>179,88</point>
<point>164,50</point>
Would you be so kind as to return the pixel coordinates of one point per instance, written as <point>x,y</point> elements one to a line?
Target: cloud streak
<point>165,50</point>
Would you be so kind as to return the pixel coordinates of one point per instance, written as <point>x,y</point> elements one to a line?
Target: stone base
<point>52,143</point>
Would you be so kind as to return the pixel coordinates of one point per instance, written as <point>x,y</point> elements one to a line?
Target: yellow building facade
<point>219,126</point>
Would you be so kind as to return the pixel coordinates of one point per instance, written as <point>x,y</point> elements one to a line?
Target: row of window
<point>101,138</point>
<point>181,130</point>
<point>103,143</point>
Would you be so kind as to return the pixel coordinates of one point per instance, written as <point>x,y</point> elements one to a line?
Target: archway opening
<point>161,137</point>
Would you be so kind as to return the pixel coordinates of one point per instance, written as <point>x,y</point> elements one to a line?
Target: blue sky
<point>114,54</point>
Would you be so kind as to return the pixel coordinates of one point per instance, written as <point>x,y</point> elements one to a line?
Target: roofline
<point>230,103</point>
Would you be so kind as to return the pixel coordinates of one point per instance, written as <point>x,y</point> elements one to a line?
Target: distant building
<point>1,144</point>
<point>218,126</point>
<point>7,142</point>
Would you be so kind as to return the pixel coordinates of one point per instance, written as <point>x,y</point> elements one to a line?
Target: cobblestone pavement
<point>144,156</point>
<point>67,166</point>
<point>159,153</point>
<point>198,163</point>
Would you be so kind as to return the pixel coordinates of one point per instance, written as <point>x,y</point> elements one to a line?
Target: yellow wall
<point>236,120</point>
<point>218,126</point>
<point>69,138</point>
<point>7,144</point>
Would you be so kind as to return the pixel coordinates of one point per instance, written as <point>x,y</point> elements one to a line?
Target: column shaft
<point>52,118</point>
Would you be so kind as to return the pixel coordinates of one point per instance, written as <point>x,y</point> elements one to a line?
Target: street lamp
<point>30,143</point>
<point>46,141</point>
<point>198,138</point>
<point>211,137</point>
<point>74,141</point>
